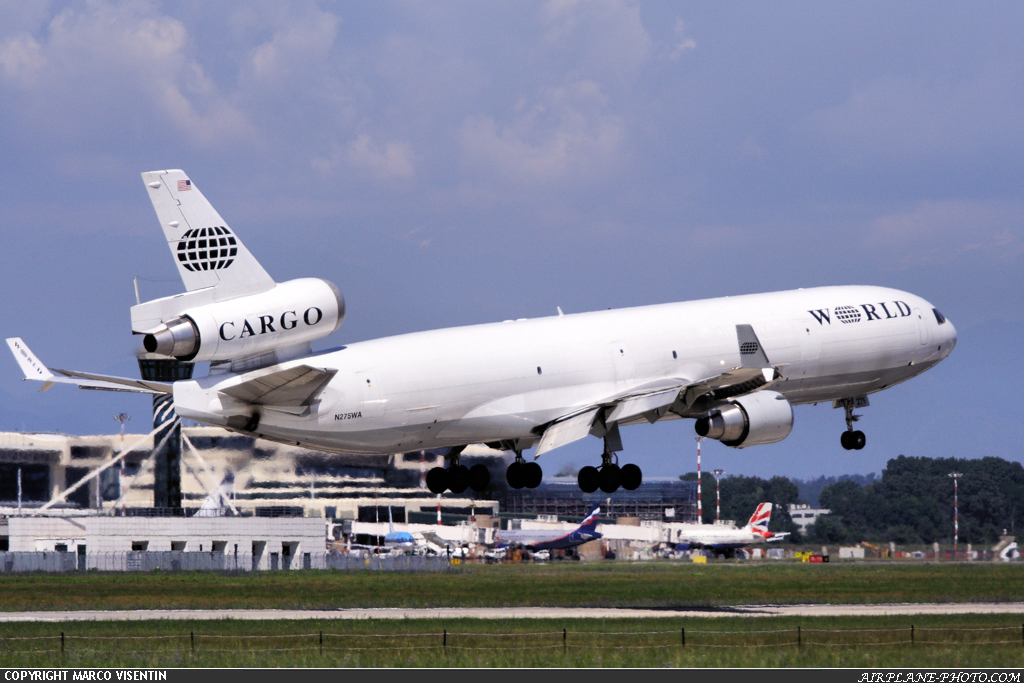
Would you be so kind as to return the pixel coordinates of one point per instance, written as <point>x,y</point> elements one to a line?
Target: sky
<point>452,163</point>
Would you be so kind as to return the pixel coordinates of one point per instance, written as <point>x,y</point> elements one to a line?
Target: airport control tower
<point>167,462</point>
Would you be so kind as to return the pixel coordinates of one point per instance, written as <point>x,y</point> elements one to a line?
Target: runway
<point>741,611</point>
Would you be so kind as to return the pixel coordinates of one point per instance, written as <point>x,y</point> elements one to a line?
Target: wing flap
<point>631,407</point>
<point>296,386</point>
<point>566,431</point>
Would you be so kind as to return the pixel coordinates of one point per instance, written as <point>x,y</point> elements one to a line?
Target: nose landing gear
<point>457,478</point>
<point>851,439</point>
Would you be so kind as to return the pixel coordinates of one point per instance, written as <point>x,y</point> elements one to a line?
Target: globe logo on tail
<point>207,249</point>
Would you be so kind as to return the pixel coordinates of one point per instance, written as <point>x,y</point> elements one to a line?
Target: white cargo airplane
<point>736,365</point>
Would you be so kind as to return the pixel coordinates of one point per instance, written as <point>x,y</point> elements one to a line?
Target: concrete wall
<point>287,538</point>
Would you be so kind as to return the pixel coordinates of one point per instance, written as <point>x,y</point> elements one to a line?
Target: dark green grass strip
<point>614,584</point>
<point>955,641</point>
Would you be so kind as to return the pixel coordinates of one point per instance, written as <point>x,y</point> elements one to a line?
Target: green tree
<point>741,495</point>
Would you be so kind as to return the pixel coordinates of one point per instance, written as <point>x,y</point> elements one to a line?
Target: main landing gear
<point>521,474</point>
<point>851,439</point>
<point>457,478</point>
<point>610,476</point>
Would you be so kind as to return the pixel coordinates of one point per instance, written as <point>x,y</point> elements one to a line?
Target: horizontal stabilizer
<point>34,369</point>
<point>566,431</point>
<point>297,386</point>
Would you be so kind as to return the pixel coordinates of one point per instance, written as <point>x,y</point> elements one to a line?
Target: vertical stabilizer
<point>589,523</point>
<point>758,523</point>
<point>205,250</point>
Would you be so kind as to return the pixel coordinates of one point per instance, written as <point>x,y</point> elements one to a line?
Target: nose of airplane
<point>949,339</point>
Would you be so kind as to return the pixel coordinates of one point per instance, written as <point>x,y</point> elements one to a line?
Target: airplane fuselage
<point>503,381</point>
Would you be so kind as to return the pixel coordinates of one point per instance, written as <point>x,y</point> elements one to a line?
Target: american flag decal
<point>184,185</point>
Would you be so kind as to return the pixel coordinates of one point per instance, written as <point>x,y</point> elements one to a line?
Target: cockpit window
<point>938,316</point>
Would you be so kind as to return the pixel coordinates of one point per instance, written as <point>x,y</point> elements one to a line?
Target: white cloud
<point>606,38</point>
<point>395,160</point>
<point>304,42</point>
<point>98,62</point>
<point>936,232</point>
<point>903,119</point>
<point>565,135</point>
<point>681,44</point>
<point>21,59</point>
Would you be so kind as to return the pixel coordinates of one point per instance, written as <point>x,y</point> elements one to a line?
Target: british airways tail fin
<point>205,250</point>
<point>758,523</point>
<point>589,522</point>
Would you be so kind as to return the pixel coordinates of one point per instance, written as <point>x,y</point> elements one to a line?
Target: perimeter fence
<point>15,562</point>
<point>565,640</point>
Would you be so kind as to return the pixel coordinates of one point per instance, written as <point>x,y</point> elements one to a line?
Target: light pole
<point>718,494</point>
<point>956,510</point>
<point>122,418</point>
<point>700,509</point>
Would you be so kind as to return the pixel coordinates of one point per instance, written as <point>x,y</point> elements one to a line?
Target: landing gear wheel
<point>846,439</point>
<point>458,478</point>
<point>437,480</point>
<point>631,477</point>
<point>479,477</point>
<point>610,478</point>
<point>514,475</point>
<point>588,479</point>
<point>858,440</point>
<point>532,475</point>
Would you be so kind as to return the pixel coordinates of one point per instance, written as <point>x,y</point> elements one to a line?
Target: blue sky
<point>456,163</point>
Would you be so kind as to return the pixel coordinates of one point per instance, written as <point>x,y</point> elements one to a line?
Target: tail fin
<point>391,522</point>
<point>206,251</point>
<point>758,523</point>
<point>589,522</point>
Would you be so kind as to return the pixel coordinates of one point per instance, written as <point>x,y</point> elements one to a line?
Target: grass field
<point>605,584</point>
<point>843,641</point>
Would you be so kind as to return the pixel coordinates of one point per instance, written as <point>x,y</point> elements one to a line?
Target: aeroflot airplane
<point>735,365</point>
<point>546,539</point>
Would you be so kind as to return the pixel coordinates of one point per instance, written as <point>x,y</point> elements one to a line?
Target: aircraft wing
<point>566,430</point>
<point>653,399</point>
<point>647,399</point>
<point>295,387</point>
<point>35,370</point>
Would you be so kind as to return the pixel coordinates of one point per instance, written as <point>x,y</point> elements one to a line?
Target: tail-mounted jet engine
<point>290,313</point>
<point>759,418</point>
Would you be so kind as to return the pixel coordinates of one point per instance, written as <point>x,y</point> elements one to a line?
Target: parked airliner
<point>728,538</point>
<point>736,365</point>
<point>552,539</point>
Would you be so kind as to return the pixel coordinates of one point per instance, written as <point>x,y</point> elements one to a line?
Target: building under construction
<point>228,474</point>
<point>661,499</point>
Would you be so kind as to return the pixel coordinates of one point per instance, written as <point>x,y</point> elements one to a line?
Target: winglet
<point>29,363</point>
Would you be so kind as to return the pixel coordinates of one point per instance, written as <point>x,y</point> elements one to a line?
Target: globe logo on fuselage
<point>207,249</point>
<point>847,314</point>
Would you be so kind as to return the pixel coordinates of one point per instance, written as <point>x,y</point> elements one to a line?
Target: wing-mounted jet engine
<point>762,417</point>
